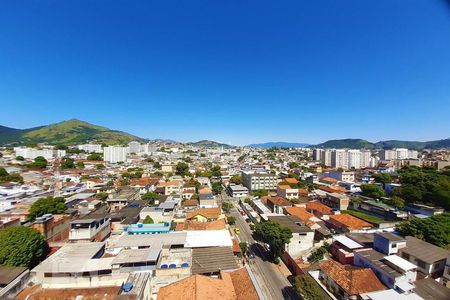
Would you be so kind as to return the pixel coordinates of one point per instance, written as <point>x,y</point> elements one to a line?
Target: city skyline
<point>230,72</point>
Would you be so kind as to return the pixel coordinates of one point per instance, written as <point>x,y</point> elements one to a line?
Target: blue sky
<point>233,71</point>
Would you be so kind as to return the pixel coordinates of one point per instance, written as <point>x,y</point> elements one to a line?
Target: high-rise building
<point>114,154</point>
<point>339,158</point>
<point>90,148</point>
<point>353,159</point>
<point>134,147</point>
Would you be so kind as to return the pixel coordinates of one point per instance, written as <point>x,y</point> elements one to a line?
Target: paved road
<point>272,282</point>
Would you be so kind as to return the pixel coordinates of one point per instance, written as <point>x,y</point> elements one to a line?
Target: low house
<point>278,204</point>
<point>285,191</point>
<point>388,243</point>
<point>348,282</point>
<point>205,214</point>
<point>54,228</point>
<point>394,271</point>
<point>302,236</point>
<point>235,285</point>
<point>237,190</point>
<point>348,223</point>
<point>94,226</point>
<point>343,249</point>
<point>308,218</point>
<point>430,259</point>
<point>318,209</point>
<point>194,225</point>
<point>336,201</point>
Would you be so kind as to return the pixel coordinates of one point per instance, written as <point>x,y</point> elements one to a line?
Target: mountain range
<point>278,145</point>
<point>67,132</point>
<point>363,144</point>
<point>75,132</point>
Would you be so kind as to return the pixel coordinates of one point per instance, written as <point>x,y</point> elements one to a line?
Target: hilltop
<point>278,145</point>
<point>363,144</point>
<point>67,132</point>
<point>210,144</point>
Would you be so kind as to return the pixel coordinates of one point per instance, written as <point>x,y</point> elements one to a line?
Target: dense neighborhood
<point>166,220</point>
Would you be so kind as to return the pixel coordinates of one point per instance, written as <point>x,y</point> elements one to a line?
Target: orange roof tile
<point>279,201</point>
<point>352,279</point>
<point>194,225</point>
<point>328,180</point>
<point>285,187</point>
<point>350,221</point>
<point>300,213</point>
<point>291,180</point>
<point>317,206</point>
<point>209,213</point>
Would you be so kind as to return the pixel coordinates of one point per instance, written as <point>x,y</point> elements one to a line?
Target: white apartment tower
<point>114,154</point>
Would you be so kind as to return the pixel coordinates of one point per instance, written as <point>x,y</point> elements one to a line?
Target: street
<point>273,284</point>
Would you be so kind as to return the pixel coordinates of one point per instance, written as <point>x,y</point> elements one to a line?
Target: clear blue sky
<point>233,71</point>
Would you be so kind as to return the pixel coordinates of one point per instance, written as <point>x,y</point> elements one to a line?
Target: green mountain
<point>210,144</point>
<point>347,143</point>
<point>66,132</point>
<point>363,144</point>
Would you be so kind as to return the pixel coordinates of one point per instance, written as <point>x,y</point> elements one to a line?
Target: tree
<point>226,206</point>
<point>275,235</point>
<point>47,205</point>
<point>157,165</point>
<point>396,201</point>
<point>148,220</point>
<point>260,193</point>
<point>196,183</point>
<point>39,162</point>
<point>382,178</point>
<point>22,247</point>
<point>244,247</point>
<point>215,171</point>
<point>3,172</point>
<point>67,163</point>
<point>293,165</point>
<point>217,187</point>
<point>101,196</point>
<point>319,253</point>
<point>231,220</point>
<point>95,156</point>
<point>99,166</point>
<point>435,229</point>
<point>182,169</point>
<point>308,288</point>
<point>372,190</point>
<point>236,179</point>
<point>80,165</point>
<point>150,196</point>
<point>20,158</point>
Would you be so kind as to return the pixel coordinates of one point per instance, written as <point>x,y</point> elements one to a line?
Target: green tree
<point>20,158</point>
<point>396,201</point>
<point>215,171</point>
<point>3,172</point>
<point>39,162</point>
<point>148,220</point>
<point>182,169</point>
<point>293,165</point>
<point>22,247</point>
<point>99,166</point>
<point>95,156</point>
<point>67,163</point>
<point>236,179</point>
<point>46,205</point>
<point>217,187</point>
<point>80,165</point>
<point>372,190</point>
<point>226,207</point>
<point>275,235</point>
<point>308,288</point>
<point>231,220</point>
<point>318,254</point>
<point>382,178</point>
<point>260,193</point>
<point>150,196</point>
<point>157,165</point>
<point>244,247</point>
<point>101,196</point>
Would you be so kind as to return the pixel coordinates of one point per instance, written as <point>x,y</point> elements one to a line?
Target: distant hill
<point>210,144</point>
<point>66,132</point>
<point>363,144</point>
<point>347,143</point>
<point>278,145</point>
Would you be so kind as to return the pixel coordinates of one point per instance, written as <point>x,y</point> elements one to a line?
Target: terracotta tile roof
<point>285,187</point>
<point>328,180</point>
<point>170,183</point>
<point>300,213</point>
<point>235,285</point>
<point>333,189</point>
<point>243,285</point>
<point>144,181</point>
<point>190,202</point>
<point>205,191</point>
<point>350,221</point>
<point>303,192</point>
<point>236,247</point>
<point>317,206</point>
<point>291,180</point>
<point>280,201</point>
<point>352,279</point>
<point>209,213</point>
<point>194,225</point>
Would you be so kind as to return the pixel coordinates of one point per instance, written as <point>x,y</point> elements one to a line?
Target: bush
<point>148,220</point>
<point>46,205</point>
<point>22,247</point>
<point>308,288</point>
<point>231,220</point>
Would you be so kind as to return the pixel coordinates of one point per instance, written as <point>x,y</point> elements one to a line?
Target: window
<point>421,264</point>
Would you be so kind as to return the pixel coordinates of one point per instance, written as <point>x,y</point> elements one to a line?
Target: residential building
<point>388,243</point>
<point>115,154</point>
<point>285,191</point>
<point>336,201</point>
<point>134,147</point>
<point>54,228</point>
<point>348,223</point>
<point>254,180</point>
<point>91,148</point>
<point>94,226</point>
<point>430,259</point>
<point>237,190</point>
<point>277,204</point>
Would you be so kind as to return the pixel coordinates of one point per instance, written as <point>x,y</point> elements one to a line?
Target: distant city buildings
<point>114,154</point>
<point>32,153</point>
